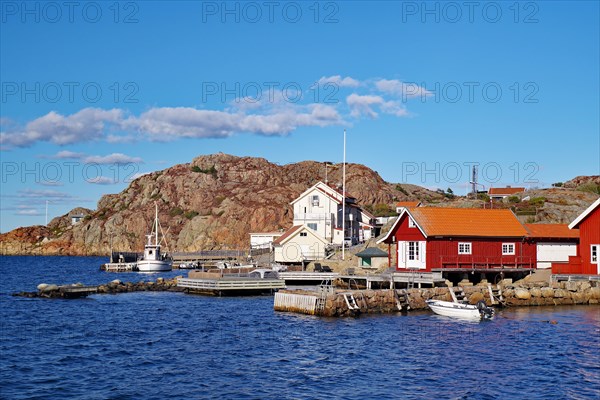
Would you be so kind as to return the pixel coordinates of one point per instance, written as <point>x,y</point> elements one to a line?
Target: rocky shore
<point>113,287</point>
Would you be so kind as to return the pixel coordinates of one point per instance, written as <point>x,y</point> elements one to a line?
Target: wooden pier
<point>298,303</point>
<point>304,276</point>
<point>119,267</point>
<point>230,285</point>
<point>410,279</point>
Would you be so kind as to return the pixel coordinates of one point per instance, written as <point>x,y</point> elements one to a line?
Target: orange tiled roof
<point>552,231</point>
<point>506,191</point>
<point>287,234</point>
<point>408,204</point>
<point>468,222</point>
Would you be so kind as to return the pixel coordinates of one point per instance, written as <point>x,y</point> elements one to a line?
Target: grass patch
<point>191,214</point>
<point>212,170</point>
<point>401,190</point>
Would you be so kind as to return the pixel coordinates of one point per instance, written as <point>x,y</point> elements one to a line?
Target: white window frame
<point>594,258</point>
<point>467,248</point>
<point>413,251</point>
<point>508,252</point>
<point>315,201</point>
<point>312,225</point>
<point>411,223</point>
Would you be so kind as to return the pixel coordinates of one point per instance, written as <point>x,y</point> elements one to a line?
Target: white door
<point>411,254</point>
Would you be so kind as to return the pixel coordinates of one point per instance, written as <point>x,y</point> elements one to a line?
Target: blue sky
<point>94,93</point>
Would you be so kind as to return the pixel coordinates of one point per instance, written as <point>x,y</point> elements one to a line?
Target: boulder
<point>535,292</point>
<point>547,292</point>
<point>522,294</point>
<point>42,286</point>
<point>475,298</point>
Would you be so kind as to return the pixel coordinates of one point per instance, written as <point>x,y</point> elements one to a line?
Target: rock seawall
<point>526,294</point>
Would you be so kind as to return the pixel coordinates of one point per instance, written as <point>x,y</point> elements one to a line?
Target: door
<point>411,255</point>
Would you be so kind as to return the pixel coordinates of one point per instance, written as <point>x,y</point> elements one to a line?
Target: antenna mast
<point>344,201</point>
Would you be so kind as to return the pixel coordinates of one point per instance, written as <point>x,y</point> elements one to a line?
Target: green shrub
<point>175,212</point>
<point>484,197</point>
<point>537,201</point>
<point>383,210</point>
<point>212,170</point>
<point>401,190</point>
<point>514,199</point>
<point>589,187</point>
<point>191,214</point>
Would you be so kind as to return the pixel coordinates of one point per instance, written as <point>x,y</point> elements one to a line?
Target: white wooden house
<point>299,244</point>
<point>320,209</point>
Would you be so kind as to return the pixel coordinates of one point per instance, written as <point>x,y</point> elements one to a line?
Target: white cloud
<point>167,123</point>
<point>114,158</point>
<point>363,105</point>
<point>85,125</point>
<point>65,154</point>
<point>29,212</point>
<point>43,194</point>
<point>399,88</point>
<point>338,81</point>
<point>101,180</point>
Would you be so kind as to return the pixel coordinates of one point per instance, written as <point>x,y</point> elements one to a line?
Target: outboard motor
<point>485,311</point>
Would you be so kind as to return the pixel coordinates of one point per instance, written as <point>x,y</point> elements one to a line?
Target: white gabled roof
<point>404,211</point>
<point>584,214</point>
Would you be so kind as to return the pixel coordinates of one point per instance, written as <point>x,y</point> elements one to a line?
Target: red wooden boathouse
<point>459,239</point>
<point>587,260</point>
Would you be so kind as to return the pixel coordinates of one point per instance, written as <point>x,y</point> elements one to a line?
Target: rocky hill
<point>213,202</point>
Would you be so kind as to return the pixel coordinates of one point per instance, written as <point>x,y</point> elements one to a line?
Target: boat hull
<point>153,265</point>
<point>454,310</point>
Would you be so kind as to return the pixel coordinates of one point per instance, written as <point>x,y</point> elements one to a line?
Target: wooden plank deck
<point>307,276</point>
<point>231,285</point>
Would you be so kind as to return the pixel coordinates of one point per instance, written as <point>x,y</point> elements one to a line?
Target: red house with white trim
<point>459,239</point>
<point>587,260</point>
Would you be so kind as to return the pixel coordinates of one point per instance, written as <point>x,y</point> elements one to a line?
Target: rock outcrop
<point>211,203</point>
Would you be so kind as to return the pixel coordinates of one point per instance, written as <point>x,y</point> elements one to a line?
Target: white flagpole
<point>344,201</point>
<point>46,212</point>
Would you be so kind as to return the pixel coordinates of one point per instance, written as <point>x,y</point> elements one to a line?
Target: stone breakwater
<point>523,294</point>
<point>113,287</point>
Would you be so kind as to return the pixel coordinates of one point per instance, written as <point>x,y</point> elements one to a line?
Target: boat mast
<point>156,224</point>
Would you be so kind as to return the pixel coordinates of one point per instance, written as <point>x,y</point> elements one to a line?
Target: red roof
<point>467,222</point>
<point>552,231</point>
<point>408,204</point>
<point>507,191</point>
<point>595,205</point>
<point>287,234</point>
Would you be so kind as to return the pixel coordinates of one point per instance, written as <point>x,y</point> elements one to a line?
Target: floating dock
<point>230,285</point>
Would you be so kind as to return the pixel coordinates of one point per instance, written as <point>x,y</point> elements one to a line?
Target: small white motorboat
<point>459,310</point>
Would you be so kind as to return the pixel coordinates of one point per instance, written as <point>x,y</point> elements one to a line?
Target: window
<point>303,234</point>
<point>312,226</point>
<point>595,248</point>
<point>508,249</point>
<point>413,251</point>
<point>464,248</point>
<point>315,200</point>
<point>365,262</point>
<point>411,222</point>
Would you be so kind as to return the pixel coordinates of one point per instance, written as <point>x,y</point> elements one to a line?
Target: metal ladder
<point>411,279</point>
<point>401,297</point>
<point>351,302</point>
<point>324,289</point>
<point>496,295</point>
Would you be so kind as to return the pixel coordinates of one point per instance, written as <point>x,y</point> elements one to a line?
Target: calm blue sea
<point>171,345</point>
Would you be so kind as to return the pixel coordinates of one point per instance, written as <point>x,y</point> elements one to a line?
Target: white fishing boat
<point>153,260</point>
<point>459,310</point>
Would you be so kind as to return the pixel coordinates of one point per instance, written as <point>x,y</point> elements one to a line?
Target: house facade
<point>554,243</point>
<point>299,244</point>
<point>586,261</point>
<point>320,209</point>
<point>433,239</point>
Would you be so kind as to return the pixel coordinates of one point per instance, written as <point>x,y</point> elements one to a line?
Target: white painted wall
<point>547,253</point>
<point>300,248</point>
<point>263,240</point>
